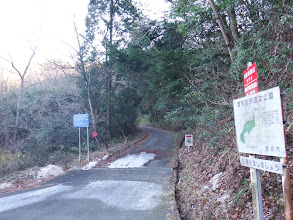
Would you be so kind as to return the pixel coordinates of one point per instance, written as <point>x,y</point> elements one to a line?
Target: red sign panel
<point>94,134</point>
<point>250,80</point>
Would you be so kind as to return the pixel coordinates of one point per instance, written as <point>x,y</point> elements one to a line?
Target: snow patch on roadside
<point>90,166</point>
<point>48,171</point>
<point>133,160</point>
<point>105,157</point>
<point>5,185</point>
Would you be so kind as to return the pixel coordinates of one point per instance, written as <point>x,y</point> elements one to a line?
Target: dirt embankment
<point>211,183</point>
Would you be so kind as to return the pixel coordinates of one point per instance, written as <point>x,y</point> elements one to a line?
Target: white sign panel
<point>259,123</point>
<point>266,165</point>
<point>188,140</point>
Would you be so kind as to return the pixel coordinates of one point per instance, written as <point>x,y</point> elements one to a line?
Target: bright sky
<point>46,24</point>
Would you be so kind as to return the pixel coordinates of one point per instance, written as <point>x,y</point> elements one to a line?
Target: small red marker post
<point>95,135</point>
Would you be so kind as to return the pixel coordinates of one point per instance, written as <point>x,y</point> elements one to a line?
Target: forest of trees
<point>181,73</point>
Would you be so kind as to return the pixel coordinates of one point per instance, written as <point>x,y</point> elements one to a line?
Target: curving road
<point>101,194</point>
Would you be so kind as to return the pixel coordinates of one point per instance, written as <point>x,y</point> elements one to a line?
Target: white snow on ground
<point>214,181</point>
<point>48,171</point>
<point>5,185</point>
<point>90,166</point>
<point>133,160</point>
<point>223,199</point>
<point>127,195</point>
<point>29,198</point>
<point>105,157</point>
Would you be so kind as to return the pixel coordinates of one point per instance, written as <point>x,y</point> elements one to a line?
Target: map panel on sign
<point>259,123</point>
<point>188,140</point>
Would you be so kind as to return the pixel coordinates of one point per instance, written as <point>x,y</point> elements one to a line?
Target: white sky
<point>46,24</point>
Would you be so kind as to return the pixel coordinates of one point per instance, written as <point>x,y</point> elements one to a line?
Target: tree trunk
<point>218,19</point>
<point>18,105</point>
<point>233,25</point>
<point>109,118</point>
<point>86,77</point>
<point>1,91</point>
<point>109,81</point>
<point>91,109</point>
<point>21,91</point>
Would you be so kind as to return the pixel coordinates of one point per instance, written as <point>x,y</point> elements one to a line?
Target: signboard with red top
<point>250,80</point>
<point>188,140</point>
<point>94,134</point>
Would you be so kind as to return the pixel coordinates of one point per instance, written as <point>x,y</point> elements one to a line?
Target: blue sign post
<point>82,121</point>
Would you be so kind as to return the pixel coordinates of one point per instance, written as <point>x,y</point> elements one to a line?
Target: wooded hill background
<point>180,73</point>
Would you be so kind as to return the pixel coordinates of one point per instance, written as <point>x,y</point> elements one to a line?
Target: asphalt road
<point>106,194</point>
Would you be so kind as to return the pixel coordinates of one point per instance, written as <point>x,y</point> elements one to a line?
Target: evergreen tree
<point>111,20</point>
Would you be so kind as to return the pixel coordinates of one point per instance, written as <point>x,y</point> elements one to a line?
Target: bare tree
<point>3,85</point>
<point>86,75</point>
<point>21,88</point>
<point>2,88</point>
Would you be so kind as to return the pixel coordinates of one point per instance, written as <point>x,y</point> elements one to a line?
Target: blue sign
<point>80,120</point>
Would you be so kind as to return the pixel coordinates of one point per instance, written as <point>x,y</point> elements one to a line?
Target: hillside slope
<point>212,184</point>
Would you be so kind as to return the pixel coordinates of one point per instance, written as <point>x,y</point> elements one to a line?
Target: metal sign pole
<point>98,142</point>
<point>88,144</point>
<point>79,150</point>
<point>81,121</point>
<point>256,192</point>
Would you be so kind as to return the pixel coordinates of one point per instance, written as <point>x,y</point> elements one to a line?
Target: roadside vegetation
<point>181,73</point>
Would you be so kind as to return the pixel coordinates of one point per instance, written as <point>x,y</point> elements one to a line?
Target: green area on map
<point>248,126</point>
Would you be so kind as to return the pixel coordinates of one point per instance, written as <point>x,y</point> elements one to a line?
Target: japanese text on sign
<point>266,165</point>
<point>80,120</point>
<point>250,80</point>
